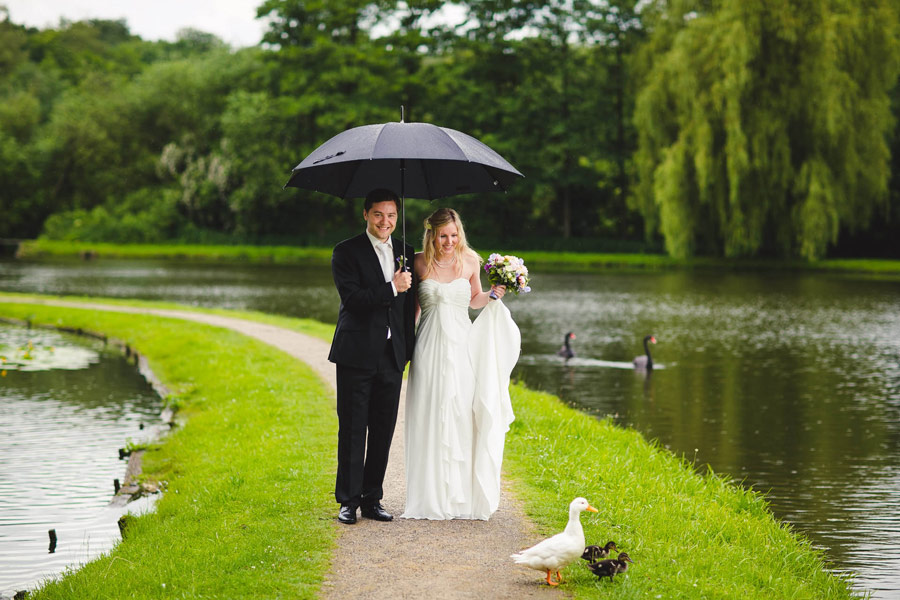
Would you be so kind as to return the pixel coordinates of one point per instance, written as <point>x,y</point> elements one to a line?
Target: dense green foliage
<point>764,125</point>
<point>713,127</point>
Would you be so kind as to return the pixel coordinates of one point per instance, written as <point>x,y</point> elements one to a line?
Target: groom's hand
<point>402,280</point>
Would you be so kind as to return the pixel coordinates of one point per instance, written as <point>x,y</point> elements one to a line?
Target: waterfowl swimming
<point>646,361</point>
<point>611,566</point>
<point>556,552</point>
<point>566,351</point>
<point>595,553</point>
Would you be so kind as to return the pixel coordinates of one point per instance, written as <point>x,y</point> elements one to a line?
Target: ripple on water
<point>63,418</point>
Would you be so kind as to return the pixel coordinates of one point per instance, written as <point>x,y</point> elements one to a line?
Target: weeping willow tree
<point>764,124</point>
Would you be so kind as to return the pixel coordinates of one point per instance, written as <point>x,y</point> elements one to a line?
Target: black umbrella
<point>419,160</point>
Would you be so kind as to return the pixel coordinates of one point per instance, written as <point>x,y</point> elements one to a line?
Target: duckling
<point>611,566</point>
<point>556,552</point>
<point>595,553</point>
<point>566,351</point>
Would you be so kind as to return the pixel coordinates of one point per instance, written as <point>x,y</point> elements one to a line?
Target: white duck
<point>558,551</point>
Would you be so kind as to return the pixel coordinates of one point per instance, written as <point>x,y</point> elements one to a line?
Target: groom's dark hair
<point>380,195</point>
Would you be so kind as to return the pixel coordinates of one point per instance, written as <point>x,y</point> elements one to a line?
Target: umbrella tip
<point>401,113</point>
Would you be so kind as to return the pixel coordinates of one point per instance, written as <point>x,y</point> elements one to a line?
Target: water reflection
<point>788,382</point>
<point>60,431</point>
<point>278,289</point>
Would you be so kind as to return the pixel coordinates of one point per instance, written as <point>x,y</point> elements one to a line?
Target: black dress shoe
<point>347,514</point>
<point>376,511</point>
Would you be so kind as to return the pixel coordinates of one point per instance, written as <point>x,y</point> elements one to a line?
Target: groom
<point>372,343</point>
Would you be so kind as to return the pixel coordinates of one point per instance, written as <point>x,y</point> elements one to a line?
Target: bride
<point>457,401</point>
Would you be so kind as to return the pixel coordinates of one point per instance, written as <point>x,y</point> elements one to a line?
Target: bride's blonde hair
<point>438,219</point>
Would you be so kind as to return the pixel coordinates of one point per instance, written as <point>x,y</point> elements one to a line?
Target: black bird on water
<point>611,566</point>
<point>566,351</point>
<point>646,361</point>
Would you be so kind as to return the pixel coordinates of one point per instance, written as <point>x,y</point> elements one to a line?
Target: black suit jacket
<point>368,306</point>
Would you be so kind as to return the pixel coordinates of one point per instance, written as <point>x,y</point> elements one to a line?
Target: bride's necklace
<point>445,264</point>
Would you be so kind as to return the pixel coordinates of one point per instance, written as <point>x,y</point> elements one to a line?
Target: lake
<point>67,404</point>
<point>786,382</point>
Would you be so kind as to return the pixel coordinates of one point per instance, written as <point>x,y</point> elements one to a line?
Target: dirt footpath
<point>405,558</point>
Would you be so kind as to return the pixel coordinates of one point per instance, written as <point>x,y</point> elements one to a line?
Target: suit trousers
<point>367,403</point>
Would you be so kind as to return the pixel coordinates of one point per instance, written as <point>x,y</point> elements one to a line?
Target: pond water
<point>67,404</point>
<point>787,382</point>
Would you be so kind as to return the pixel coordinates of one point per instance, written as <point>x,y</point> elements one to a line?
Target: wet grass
<point>692,536</point>
<point>248,510</point>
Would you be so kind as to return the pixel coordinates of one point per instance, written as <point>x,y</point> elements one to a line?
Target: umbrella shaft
<point>403,209</point>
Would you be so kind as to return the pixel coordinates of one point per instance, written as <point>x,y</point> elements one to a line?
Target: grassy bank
<point>248,507</point>
<point>249,512</point>
<point>566,262</point>
<point>254,254</point>
<point>692,536</point>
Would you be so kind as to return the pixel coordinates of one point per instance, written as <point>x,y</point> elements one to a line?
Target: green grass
<point>255,254</point>
<point>250,477</point>
<point>248,512</point>
<point>310,327</point>
<point>692,536</point>
<point>566,262</point>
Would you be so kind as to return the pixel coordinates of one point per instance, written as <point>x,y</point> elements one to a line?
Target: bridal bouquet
<point>509,271</point>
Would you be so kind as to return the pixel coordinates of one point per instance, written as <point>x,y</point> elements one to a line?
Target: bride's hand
<point>498,291</point>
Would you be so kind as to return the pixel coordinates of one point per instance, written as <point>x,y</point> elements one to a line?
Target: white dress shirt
<point>385,253</point>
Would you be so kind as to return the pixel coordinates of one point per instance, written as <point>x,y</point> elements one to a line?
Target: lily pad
<point>36,350</point>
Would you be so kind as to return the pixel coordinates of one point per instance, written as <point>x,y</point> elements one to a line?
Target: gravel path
<point>405,558</point>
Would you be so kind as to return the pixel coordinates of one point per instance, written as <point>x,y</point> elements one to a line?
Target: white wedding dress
<point>457,404</point>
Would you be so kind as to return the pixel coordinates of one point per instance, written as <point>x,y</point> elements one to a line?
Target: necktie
<point>385,256</point>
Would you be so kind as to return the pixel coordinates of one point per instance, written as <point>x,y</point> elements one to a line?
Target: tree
<point>762,125</point>
<point>23,210</point>
<point>258,158</point>
<point>616,29</point>
<point>306,23</point>
<point>333,76</point>
<point>545,80</point>
<point>12,44</point>
<point>880,238</point>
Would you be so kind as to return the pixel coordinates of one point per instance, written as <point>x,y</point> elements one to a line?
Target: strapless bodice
<point>433,293</point>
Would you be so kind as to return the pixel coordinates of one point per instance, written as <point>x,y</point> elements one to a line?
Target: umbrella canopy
<point>416,160</point>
